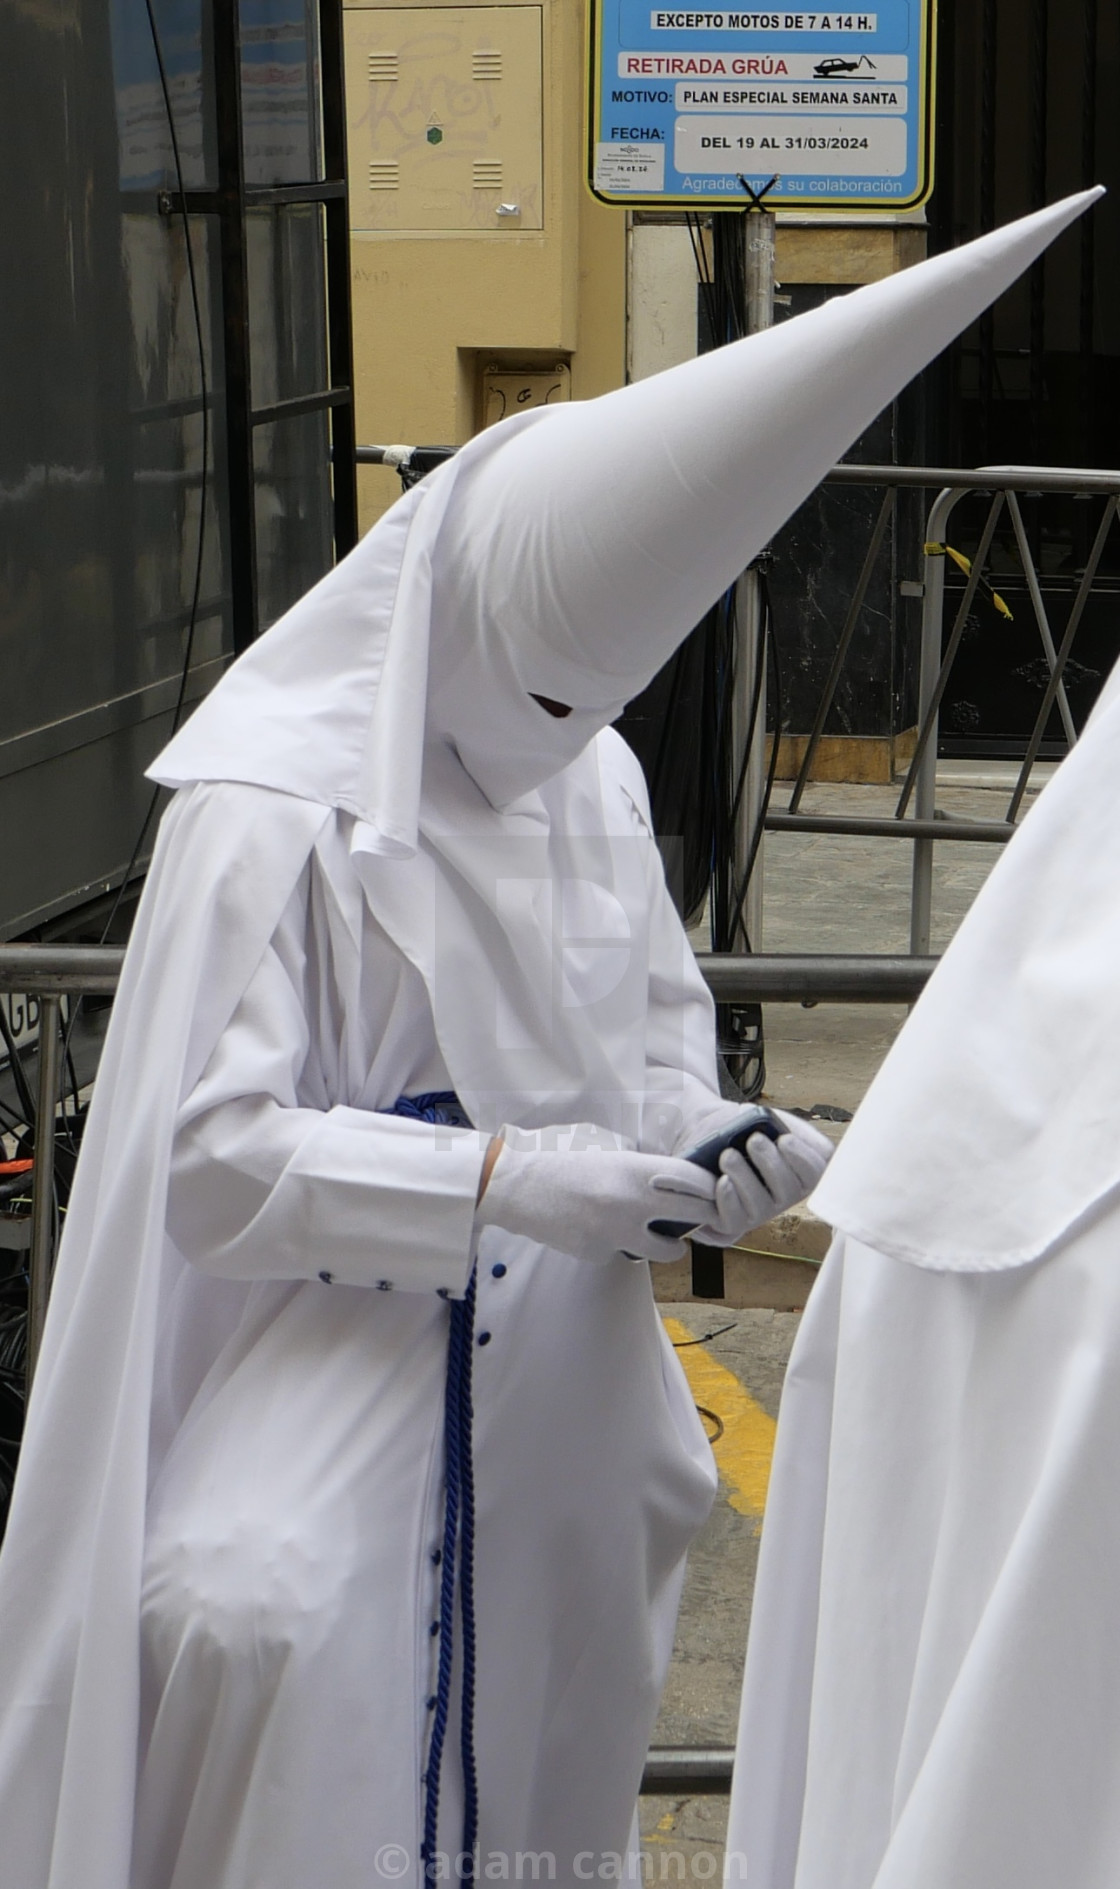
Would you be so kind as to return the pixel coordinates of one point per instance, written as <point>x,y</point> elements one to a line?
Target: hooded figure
<point>932,1693</point>
<point>409,1035</point>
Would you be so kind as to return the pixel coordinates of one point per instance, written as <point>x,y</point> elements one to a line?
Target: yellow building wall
<point>432,308</point>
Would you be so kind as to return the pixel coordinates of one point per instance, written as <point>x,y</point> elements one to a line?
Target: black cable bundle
<point>13,1367</point>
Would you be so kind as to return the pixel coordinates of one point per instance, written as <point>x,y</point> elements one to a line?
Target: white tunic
<point>932,1696</point>
<point>291,1582</point>
<point>223,1685</point>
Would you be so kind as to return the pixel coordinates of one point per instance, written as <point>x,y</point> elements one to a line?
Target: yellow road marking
<point>744,1451</point>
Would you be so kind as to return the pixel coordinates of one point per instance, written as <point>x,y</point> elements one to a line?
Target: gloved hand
<point>597,1202</point>
<point>777,1173</point>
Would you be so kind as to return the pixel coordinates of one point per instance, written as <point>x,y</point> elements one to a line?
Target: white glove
<point>773,1175</point>
<point>596,1203</point>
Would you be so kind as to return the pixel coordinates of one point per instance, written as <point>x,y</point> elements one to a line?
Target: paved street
<point>738,1376</point>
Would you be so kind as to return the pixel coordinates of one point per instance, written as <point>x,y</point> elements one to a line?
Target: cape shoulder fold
<point>226,862</point>
<point>990,1135</point>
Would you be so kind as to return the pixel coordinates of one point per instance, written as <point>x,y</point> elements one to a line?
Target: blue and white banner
<point>685,104</point>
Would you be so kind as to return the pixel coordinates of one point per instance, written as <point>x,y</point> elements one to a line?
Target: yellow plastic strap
<point>965,564</point>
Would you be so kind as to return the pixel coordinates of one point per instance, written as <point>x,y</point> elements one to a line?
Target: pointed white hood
<point>567,553</point>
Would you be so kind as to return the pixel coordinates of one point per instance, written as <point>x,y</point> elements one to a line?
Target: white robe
<point>281,1575</point>
<point>932,1696</point>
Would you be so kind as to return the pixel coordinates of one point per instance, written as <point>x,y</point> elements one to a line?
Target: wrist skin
<point>491,1156</point>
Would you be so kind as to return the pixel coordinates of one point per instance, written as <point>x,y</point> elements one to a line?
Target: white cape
<point>990,1132</point>
<point>932,1694</point>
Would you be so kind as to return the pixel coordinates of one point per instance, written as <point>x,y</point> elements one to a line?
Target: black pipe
<point>820,979</point>
<point>694,1770</point>
<point>988,832</point>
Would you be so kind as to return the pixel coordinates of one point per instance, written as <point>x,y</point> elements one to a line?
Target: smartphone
<point>754,1120</point>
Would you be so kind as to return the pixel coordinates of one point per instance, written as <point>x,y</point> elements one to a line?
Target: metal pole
<point>688,1770</point>
<point>1083,592</point>
<point>927,730</point>
<point>925,797</point>
<point>891,827</point>
<point>1032,479</point>
<point>40,969</point>
<point>814,979</point>
<point>851,623</point>
<point>1039,607</point>
<point>759,269</point>
<point>750,669</point>
<point>42,1184</point>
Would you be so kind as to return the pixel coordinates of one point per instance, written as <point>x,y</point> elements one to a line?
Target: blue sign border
<point>613,22</point>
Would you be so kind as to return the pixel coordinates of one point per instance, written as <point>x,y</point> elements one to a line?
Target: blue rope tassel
<point>458,1534</point>
<point>466,1572</point>
<point>453,1473</point>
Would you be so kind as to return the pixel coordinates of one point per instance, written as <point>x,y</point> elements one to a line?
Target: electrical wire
<point>682,1344</point>
<point>19,1074</point>
<point>703,273</point>
<point>71,1119</point>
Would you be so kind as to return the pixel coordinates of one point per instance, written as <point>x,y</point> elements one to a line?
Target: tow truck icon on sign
<point>832,68</point>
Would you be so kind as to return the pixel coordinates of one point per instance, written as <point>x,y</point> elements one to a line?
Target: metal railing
<point>924,827</point>
<point>688,1771</point>
<point>49,972</point>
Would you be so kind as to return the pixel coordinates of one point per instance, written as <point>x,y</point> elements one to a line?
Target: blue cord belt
<point>457,1550</point>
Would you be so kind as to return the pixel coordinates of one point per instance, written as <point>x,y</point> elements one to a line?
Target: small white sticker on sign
<point>637,167</point>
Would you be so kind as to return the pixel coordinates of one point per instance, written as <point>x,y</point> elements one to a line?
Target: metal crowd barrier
<point>923,827</point>
<point>688,1771</point>
<point>50,972</point>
